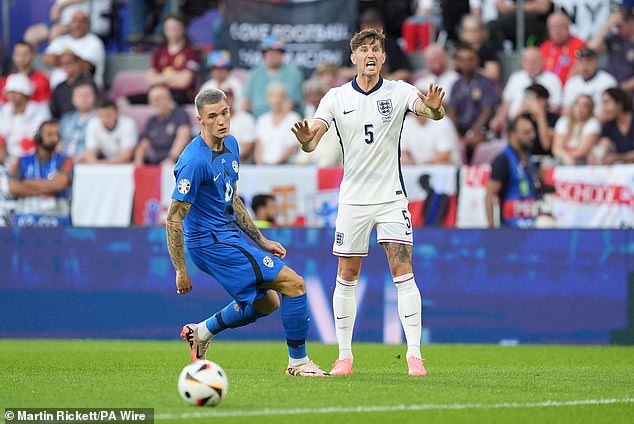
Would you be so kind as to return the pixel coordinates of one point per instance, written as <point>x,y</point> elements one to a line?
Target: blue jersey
<point>206,179</point>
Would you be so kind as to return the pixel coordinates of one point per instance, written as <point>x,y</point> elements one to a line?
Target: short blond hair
<point>367,36</point>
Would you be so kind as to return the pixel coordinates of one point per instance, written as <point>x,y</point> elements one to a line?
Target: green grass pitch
<point>466,383</point>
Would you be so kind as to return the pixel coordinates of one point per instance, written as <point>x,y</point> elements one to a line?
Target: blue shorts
<point>238,266</point>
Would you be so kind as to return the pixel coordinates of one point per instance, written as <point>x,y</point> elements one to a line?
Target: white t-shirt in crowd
<point>594,87</point>
<point>591,126</point>
<point>446,80</point>
<point>275,138</point>
<point>243,128</point>
<point>16,127</point>
<point>514,91</point>
<point>111,143</point>
<point>424,140</point>
<point>89,47</point>
<point>369,125</point>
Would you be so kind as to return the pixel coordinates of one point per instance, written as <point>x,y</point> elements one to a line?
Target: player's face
<point>215,120</point>
<point>369,58</point>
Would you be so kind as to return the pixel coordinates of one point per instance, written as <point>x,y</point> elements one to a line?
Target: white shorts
<point>355,222</point>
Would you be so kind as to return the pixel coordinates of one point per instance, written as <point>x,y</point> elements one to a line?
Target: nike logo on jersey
<point>347,316</point>
<point>345,112</point>
<point>216,177</point>
<point>411,315</point>
<point>407,233</point>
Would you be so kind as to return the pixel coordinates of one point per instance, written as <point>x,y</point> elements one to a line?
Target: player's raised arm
<point>244,221</point>
<point>175,244</point>
<point>309,135</point>
<point>430,105</point>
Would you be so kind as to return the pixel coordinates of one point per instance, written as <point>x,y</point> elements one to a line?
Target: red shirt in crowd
<point>42,88</point>
<point>186,58</point>
<point>560,58</point>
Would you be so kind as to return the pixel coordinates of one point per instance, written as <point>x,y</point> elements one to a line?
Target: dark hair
<point>260,201</point>
<point>177,17</point>
<point>38,134</point>
<point>515,121</point>
<point>620,97</point>
<point>539,90</point>
<point>106,103</point>
<point>464,46</point>
<point>25,43</point>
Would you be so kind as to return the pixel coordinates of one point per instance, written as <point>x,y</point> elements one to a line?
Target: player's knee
<point>349,274</point>
<point>295,287</point>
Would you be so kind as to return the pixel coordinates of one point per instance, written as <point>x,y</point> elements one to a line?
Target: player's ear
<point>352,59</point>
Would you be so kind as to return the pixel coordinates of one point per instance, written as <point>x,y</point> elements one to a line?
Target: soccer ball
<point>203,383</point>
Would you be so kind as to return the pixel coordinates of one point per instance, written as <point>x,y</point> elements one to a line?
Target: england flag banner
<point>594,196</point>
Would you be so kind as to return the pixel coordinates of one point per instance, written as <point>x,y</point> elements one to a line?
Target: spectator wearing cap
<point>84,44</point>
<point>590,80</point>
<point>272,70</point>
<point>23,57</point>
<point>560,48</point>
<point>219,63</point>
<point>619,46</point>
<point>19,119</point>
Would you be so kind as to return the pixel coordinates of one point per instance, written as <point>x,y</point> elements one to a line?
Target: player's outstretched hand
<point>434,97</point>
<point>183,283</point>
<point>274,248</point>
<point>302,131</point>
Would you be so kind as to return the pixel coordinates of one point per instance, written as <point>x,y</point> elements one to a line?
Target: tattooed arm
<point>176,245</point>
<point>244,221</point>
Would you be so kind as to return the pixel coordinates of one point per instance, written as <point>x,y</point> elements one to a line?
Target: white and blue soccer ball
<point>203,383</point>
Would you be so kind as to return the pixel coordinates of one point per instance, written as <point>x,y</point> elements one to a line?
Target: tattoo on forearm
<point>397,252</point>
<point>244,221</point>
<point>174,233</point>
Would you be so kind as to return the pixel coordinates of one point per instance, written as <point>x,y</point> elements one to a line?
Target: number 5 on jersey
<point>369,135</point>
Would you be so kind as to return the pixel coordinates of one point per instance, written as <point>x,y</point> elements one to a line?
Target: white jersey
<point>369,127</point>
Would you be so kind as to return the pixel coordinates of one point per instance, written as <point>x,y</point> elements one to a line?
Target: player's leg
<point>394,233</point>
<point>249,305</point>
<point>344,306</point>
<point>352,236</point>
<point>295,319</point>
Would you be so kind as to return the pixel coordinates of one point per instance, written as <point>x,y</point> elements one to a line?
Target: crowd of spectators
<point>576,92</point>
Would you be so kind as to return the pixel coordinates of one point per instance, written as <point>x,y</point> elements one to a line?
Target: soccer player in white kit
<point>368,115</point>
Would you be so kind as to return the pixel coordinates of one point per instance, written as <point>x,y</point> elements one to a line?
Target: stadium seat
<point>128,82</point>
<point>487,151</point>
<point>140,114</point>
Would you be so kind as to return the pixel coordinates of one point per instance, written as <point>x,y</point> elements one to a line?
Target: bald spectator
<point>515,87</point>
<point>619,46</point>
<point>437,70</point>
<point>590,80</point>
<point>23,57</point>
<point>166,133</point>
<point>19,119</point>
<point>425,141</point>
<point>84,44</point>
<point>559,50</point>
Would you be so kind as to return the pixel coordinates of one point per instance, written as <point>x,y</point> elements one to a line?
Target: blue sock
<point>232,316</point>
<point>295,319</point>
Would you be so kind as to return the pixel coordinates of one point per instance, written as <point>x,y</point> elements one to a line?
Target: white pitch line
<point>387,408</point>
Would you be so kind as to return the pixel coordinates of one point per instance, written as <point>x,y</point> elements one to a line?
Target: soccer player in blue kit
<point>207,215</point>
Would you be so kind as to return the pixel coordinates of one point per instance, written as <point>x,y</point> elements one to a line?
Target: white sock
<point>410,312</point>
<point>344,305</point>
<point>203,331</point>
<point>295,362</point>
